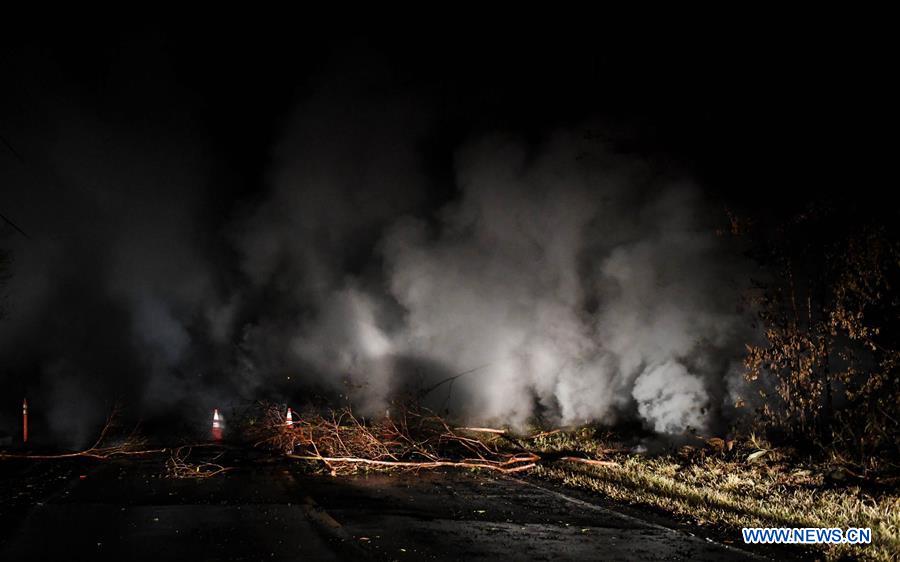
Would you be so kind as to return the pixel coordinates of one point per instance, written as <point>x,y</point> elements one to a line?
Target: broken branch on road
<point>414,439</point>
<point>178,466</point>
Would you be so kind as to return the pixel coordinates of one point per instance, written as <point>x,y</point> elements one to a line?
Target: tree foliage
<point>830,317</point>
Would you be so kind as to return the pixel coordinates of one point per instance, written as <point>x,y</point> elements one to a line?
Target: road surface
<point>266,509</point>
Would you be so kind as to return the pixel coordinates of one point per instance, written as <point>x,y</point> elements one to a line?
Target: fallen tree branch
<point>130,446</point>
<point>450,380</point>
<point>544,434</point>
<point>483,430</point>
<point>103,453</point>
<point>592,462</point>
<point>177,466</point>
<point>414,439</point>
<point>506,467</point>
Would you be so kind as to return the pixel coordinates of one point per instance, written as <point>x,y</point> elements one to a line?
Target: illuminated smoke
<point>577,284</point>
<point>566,280</point>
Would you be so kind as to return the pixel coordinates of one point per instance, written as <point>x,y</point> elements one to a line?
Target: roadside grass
<point>730,486</point>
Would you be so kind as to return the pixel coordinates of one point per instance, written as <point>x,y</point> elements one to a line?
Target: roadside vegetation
<point>727,485</point>
<point>826,374</point>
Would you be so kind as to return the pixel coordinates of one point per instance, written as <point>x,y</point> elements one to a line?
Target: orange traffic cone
<point>289,418</point>
<point>217,426</point>
<point>24,420</point>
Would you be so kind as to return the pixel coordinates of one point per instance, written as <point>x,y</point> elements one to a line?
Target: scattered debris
<point>177,466</point>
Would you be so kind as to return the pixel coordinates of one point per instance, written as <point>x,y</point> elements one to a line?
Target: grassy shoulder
<point>730,486</point>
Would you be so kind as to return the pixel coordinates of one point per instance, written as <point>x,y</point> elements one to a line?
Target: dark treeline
<point>828,366</point>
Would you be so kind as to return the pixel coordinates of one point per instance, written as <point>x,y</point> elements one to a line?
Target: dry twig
<point>177,466</point>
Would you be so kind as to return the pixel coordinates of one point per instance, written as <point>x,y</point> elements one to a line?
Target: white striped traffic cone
<point>217,425</point>
<point>24,420</point>
<point>289,418</point>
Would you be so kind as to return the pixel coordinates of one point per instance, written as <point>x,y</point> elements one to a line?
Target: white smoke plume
<point>585,287</point>
<point>572,283</point>
<point>565,280</point>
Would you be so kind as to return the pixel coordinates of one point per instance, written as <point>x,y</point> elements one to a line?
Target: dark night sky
<point>749,114</point>
<point>125,143</point>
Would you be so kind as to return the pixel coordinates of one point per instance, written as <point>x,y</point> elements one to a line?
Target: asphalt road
<point>269,510</point>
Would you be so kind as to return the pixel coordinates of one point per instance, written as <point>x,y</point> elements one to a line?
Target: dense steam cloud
<point>579,285</point>
<point>344,172</point>
<point>565,281</point>
<point>573,284</point>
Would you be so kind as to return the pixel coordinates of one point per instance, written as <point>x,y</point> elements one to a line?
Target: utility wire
<point>11,149</point>
<point>22,160</point>
<point>14,225</point>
